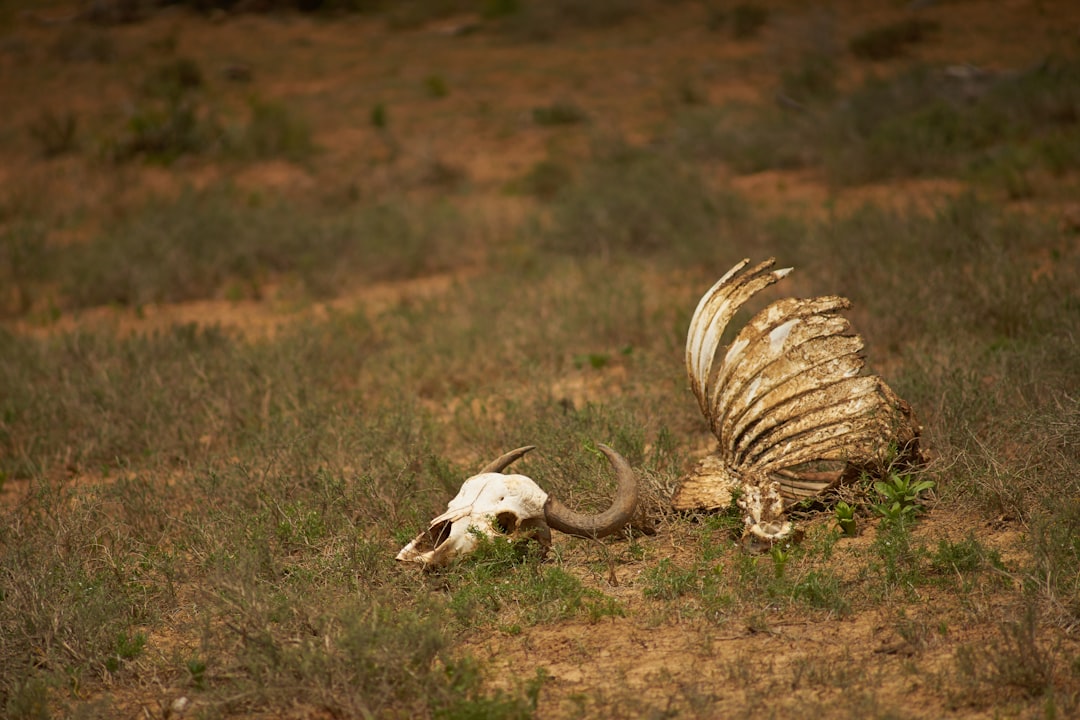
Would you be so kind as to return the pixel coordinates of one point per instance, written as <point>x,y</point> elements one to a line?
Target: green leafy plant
<point>899,496</point>
<point>845,518</point>
<point>780,556</point>
<point>197,672</point>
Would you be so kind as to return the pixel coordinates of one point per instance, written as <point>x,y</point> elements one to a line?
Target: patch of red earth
<point>251,319</point>
<point>804,193</point>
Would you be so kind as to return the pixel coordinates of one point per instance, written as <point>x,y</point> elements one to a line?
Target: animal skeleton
<point>513,506</point>
<point>787,397</point>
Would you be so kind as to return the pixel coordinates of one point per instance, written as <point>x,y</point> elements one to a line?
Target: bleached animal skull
<point>513,506</point>
<point>786,400</point>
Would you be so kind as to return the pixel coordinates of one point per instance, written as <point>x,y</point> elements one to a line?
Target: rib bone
<point>789,392</point>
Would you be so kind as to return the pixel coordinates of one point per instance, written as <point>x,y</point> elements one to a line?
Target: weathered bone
<point>789,392</point>
<point>513,506</point>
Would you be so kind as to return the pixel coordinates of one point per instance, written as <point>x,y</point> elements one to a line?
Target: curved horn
<point>611,520</point>
<point>500,463</point>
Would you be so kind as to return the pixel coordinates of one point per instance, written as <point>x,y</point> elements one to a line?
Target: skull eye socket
<point>439,533</point>
<point>506,522</point>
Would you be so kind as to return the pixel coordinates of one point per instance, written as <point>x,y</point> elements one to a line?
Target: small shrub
<point>28,700</point>
<point>1055,571</point>
<point>900,557</point>
<point>560,113</point>
<point>813,79</point>
<point>820,589</point>
<point>196,669</point>
<point>379,116</point>
<point>469,703</point>
<point>542,20</point>
<point>27,266</point>
<point>494,9</point>
<point>1017,661</point>
<point>275,131</point>
<point>128,647</point>
<point>411,14</point>
<point>546,178</point>
<point>747,19</point>
<point>667,581</point>
<point>78,43</point>
<point>162,134</point>
<point>596,361</point>
<point>716,16</point>
<point>967,555</point>
<point>687,92</point>
<point>55,133</point>
<point>889,41</point>
<point>168,121</point>
<point>436,86</point>
<point>173,79</point>
<point>437,172</point>
<point>598,608</point>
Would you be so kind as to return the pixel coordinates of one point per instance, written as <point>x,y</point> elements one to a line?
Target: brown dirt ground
<point>623,79</point>
<point>771,664</point>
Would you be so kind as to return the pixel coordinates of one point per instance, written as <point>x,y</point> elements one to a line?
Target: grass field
<point>273,284</point>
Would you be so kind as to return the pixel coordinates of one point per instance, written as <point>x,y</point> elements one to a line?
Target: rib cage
<point>789,391</point>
